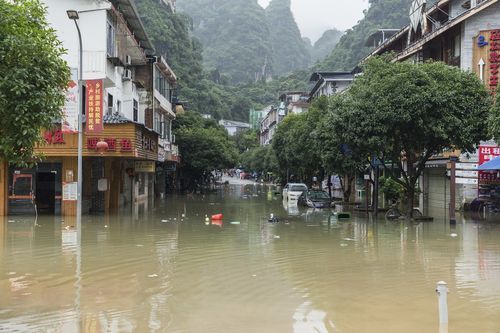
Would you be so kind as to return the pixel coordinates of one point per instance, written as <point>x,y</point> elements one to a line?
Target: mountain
<point>235,37</point>
<point>289,51</point>
<point>390,14</point>
<point>325,45</point>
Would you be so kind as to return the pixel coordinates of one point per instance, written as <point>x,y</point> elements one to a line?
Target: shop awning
<point>494,164</point>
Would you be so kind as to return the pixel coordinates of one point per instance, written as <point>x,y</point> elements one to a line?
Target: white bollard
<point>442,291</point>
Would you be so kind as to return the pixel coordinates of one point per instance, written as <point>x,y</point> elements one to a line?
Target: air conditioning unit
<point>127,75</point>
<point>128,60</point>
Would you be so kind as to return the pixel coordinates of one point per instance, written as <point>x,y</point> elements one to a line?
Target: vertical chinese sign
<point>487,153</point>
<point>94,107</point>
<point>69,123</point>
<point>486,58</point>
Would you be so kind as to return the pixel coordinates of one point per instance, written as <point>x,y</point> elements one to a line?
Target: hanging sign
<point>94,107</point>
<point>70,110</point>
<point>70,192</point>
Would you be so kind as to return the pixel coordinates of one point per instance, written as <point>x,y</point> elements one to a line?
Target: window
<point>110,104</point>
<point>110,39</point>
<point>118,106</point>
<point>162,85</point>
<point>136,110</point>
<point>456,46</point>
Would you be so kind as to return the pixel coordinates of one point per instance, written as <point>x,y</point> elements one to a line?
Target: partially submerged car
<point>315,199</point>
<point>292,191</point>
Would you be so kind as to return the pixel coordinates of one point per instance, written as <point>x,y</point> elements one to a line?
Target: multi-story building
<point>232,127</point>
<point>268,125</point>
<point>329,83</point>
<point>460,33</point>
<point>295,102</point>
<point>133,88</point>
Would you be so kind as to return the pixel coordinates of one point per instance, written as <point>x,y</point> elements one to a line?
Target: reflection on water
<point>166,268</point>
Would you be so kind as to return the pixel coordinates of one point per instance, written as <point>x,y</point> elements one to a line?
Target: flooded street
<point>166,269</point>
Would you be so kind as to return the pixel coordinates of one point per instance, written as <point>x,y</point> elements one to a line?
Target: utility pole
<point>453,161</point>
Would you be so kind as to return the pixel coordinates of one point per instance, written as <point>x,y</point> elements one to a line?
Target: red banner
<point>94,107</point>
<point>487,153</point>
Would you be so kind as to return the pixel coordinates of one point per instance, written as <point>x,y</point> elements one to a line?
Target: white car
<point>292,191</point>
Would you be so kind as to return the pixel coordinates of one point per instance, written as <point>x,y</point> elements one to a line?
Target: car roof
<point>297,184</point>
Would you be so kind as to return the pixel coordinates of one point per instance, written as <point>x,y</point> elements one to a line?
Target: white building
<point>232,127</point>
<point>329,83</point>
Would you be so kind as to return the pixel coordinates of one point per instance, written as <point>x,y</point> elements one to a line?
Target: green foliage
<point>235,37</point>
<point>260,159</point>
<point>351,48</point>
<point>246,140</point>
<point>406,113</point>
<point>204,146</point>
<point>297,146</point>
<point>392,190</point>
<point>494,118</point>
<point>33,78</point>
<point>289,51</point>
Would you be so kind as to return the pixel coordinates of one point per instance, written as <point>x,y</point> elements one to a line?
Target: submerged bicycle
<point>394,213</point>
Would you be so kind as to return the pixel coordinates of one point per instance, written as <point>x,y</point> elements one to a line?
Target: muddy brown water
<point>165,269</point>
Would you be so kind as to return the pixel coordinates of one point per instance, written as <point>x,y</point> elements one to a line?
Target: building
<point>329,83</point>
<point>128,92</point>
<point>295,102</point>
<point>232,127</point>
<point>465,34</point>
<point>256,117</point>
<point>268,126</point>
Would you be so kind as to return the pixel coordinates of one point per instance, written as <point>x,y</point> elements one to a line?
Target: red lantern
<point>102,147</point>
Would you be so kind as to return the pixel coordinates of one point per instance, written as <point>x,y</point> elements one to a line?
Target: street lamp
<point>73,15</point>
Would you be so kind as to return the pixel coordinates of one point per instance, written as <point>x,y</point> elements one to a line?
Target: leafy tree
<point>494,118</point>
<point>33,78</point>
<point>404,113</point>
<point>296,144</point>
<point>336,157</point>
<point>261,159</point>
<point>204,146</point>
<point>246,140</point>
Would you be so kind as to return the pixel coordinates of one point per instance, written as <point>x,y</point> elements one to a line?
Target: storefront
<point>113,175</point>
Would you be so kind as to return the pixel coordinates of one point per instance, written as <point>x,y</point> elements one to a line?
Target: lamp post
<point>73,15</point>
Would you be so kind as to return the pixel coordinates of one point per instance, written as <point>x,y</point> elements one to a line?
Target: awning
<point>494,164</point>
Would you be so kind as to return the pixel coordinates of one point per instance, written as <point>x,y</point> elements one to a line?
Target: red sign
<point>54,138</point>
<point>94,107</point>
<point>113,144</point>
<point>494,57</point>
<point>487,153</point>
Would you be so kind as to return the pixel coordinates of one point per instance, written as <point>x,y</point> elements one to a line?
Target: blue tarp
<point>494,164</point>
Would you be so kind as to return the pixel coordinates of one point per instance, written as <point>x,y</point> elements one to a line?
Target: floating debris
<point>152,275</point>
<point>454,235</point>
<point>164,221</point>
<point>235,222</point>
<point>348,239</point>
<point>276,237</point>
<point>11,221</point>
<point>106,226</point>
<point>344,244</point>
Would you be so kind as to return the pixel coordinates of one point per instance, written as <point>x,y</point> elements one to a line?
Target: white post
<point>442,291</point>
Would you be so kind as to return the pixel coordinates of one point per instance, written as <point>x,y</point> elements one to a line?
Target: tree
<point>204,146</point>
<point>494,118</point>
<point>336,157</point>
<point>246,140</point>
<point>296,145</point>
<point>404,113</point>
<point>33,78</point>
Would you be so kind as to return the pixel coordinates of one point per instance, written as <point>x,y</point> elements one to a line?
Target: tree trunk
<point>410,199</point>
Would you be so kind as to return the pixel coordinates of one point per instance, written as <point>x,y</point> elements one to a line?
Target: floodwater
<point>165,269</point>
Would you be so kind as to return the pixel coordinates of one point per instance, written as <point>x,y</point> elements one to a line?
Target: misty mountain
<point>325,45</point>
<point>235,37</point>
<point>289,51</point>
<point>388,14</point>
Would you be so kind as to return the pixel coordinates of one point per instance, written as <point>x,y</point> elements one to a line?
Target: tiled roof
<point>116,118</point>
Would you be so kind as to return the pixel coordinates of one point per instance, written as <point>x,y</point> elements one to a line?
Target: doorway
<point>46,192</point>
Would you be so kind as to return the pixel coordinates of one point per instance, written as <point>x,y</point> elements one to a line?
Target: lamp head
<point>72,14</point>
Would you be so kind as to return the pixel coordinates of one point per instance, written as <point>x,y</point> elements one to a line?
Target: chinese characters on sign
<point>70,110</point>
<point>487,153</point>
<point>54,137</point>
<point>113,144</point>
<point>494,57</point>
<point>94,106</point>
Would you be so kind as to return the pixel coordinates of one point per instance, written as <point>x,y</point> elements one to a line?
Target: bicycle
<point>394,213</point>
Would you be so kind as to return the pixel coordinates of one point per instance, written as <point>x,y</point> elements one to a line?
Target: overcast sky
<point>316,16</point>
